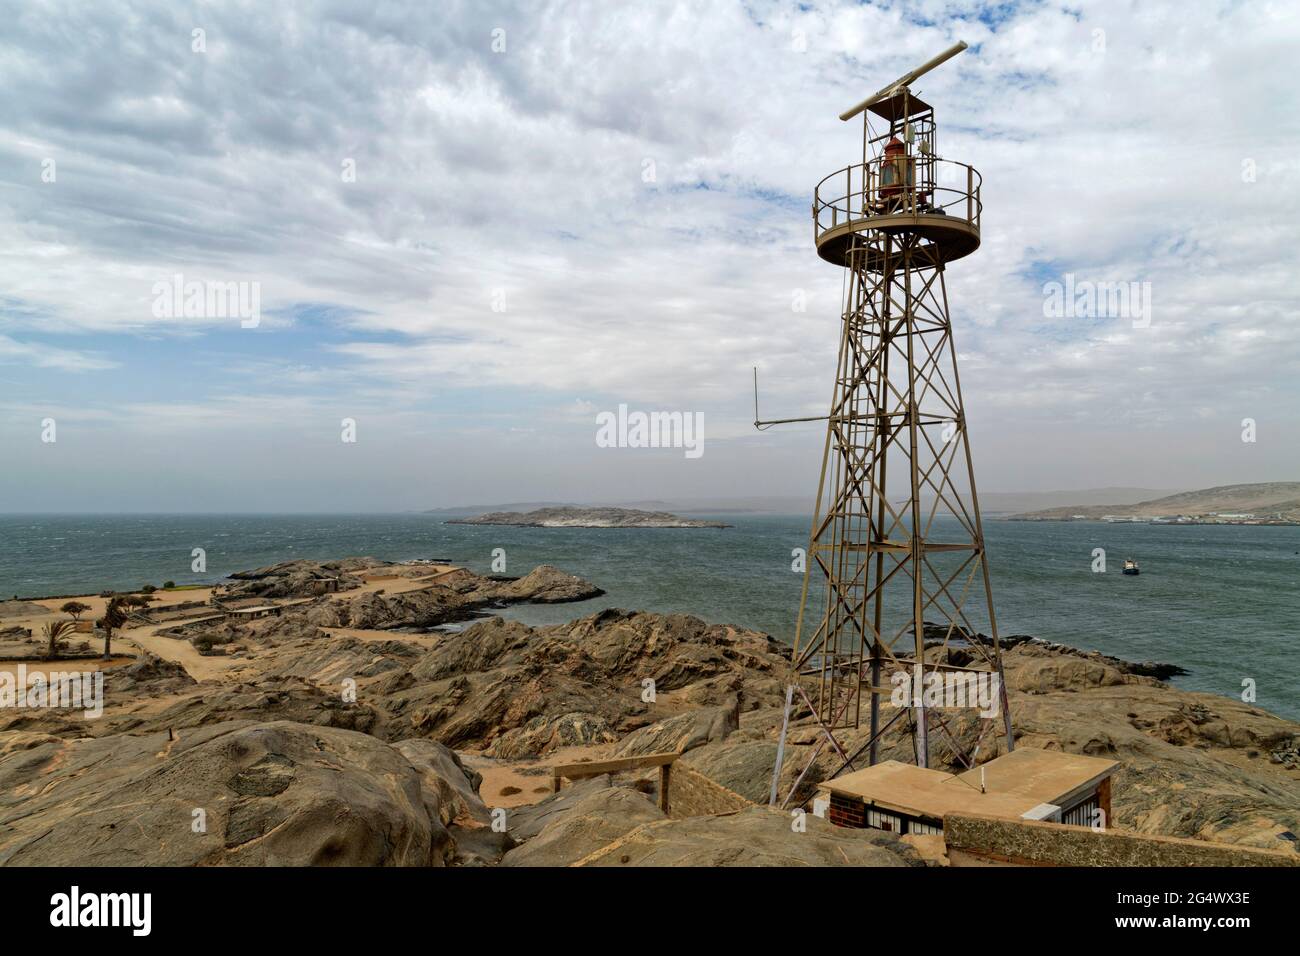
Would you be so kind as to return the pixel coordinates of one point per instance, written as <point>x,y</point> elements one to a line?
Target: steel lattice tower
<point>896,539</point>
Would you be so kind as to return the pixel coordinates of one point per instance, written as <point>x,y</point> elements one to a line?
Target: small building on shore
<point>1026,784</point>
<point>254,612</point>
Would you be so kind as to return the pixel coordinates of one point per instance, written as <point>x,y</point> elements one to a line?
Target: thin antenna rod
<point>761,425</point>
<point>905,80</point>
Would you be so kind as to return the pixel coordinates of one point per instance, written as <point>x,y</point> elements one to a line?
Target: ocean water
<point>1222,602</point>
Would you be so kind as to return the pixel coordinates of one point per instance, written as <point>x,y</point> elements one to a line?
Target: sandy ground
<point>170,649</point>
<point>502,777</point>
<point>98,604</point>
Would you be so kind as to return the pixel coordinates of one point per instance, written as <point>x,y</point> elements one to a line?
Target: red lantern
<point>897,169</point>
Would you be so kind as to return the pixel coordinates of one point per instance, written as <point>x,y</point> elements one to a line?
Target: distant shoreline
<point>1162,522</point>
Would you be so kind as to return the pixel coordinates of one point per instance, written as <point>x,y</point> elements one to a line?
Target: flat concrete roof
<point>1015,784</point>
<point>1051,776</point>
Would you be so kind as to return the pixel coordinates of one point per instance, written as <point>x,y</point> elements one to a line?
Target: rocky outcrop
<point>616,683</point>
<point>757,836</point>
<point>455,597</point>
<point>545,585</point>
<point>939,634</point>
<point>221,636</point>
<point>226,794</point>
<point>149,674</point>
<point>17,608</point>
<point>521,691</point>
<point>528,821</point>
<point>445,777</point>
<point>375,611</point>
<point>295,579</point>
<point>681,733</point>
<point>595,821</point>
<point>1040,670</point>
<point>543,735</point>
<point>287,699</point>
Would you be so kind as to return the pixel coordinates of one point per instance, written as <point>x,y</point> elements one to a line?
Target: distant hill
<point>995,502</point>
<point>1269,500</point>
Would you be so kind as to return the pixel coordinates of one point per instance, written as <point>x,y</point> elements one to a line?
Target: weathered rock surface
<point>522,691</point>
<point>595,821</point>
<point>270,794</point>
<point>17,608</point>
<point>757,836</point>
<point>444,776</point>
<point>1193,765</point>
<point>290,699</point>
<point>543,735</point>
<point>459,596</point>
<point>528,821</point>
<point>149,674</point>
<point>681,733</point>
<point>300,578</point>
<point>545,585</point>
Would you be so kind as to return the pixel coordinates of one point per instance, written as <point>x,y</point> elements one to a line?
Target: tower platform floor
<point>947,238</point>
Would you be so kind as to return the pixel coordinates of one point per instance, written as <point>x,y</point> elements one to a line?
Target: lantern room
<point>901,185</point>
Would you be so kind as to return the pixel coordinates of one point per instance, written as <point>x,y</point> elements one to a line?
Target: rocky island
<point>588,518</point>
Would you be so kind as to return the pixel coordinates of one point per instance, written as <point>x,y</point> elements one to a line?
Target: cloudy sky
<point>473,227</point>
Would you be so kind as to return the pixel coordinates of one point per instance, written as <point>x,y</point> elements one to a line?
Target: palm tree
<point>75,609</point>
<point>114,616</point>
<point>53,632</point>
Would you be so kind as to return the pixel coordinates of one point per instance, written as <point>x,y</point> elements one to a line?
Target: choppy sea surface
<point>1222,602</point>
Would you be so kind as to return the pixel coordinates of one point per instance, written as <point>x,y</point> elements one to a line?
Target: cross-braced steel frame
<point>896,539</point>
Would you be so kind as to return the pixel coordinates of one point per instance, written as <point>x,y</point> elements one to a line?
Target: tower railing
<point>942,188</point>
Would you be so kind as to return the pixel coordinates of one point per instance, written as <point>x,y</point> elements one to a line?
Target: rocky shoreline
<point>325,735</point>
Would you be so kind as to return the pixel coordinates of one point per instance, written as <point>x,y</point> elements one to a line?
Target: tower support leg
<point>780,744</point>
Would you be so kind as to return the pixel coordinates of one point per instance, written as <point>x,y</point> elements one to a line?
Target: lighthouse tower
<point>897,579</point>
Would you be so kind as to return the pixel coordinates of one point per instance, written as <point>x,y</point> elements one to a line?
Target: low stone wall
<point>1033,843</point>
<point>691,794</point>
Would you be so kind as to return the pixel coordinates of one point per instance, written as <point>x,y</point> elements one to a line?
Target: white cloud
<point>13,352</point>
<point>521,174</point>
